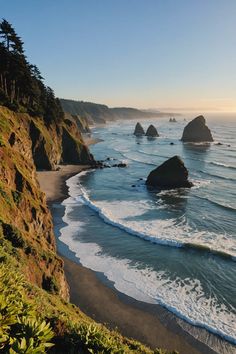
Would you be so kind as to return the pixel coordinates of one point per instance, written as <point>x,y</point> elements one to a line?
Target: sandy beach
<point>150,324</point>
<point>53,184</point>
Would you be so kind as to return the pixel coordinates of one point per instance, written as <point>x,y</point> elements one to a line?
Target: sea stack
<point>138,130</point>
<point>171,174</point>
<point>197,131</point>
<point>151,131</point>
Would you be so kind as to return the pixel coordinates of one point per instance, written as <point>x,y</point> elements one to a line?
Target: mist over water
<point>176,248</point>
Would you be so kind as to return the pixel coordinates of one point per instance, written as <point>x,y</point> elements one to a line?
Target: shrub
<point>20,330</point>
<point>49,283</point>
<point>13,235</point>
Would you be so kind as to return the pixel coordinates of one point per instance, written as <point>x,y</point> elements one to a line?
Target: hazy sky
<point>144,53</point>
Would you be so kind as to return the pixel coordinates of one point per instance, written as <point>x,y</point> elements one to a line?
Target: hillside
<point>92,112</point>
<point>97,113</point>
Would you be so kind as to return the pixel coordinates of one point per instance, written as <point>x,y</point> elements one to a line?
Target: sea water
<point>176,248</point>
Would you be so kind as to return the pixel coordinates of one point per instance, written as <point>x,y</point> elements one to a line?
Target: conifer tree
<point>21,83</point>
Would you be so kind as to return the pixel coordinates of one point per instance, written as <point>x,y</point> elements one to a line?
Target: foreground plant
<point>21,331</point>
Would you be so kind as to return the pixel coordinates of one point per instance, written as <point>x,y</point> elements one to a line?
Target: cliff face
<point>29,264</point>
<point>56,143</point>
<point>98,113</point>
<point>26,229</point>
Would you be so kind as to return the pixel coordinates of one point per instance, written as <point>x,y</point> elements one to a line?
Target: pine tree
<point>21,83</point>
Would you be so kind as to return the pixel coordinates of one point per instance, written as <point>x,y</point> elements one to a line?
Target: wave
<point>168,227</point>
<point>215,163</point>
<point>221,164</point>
<point>183,297</point>
<point>218,204</point>
<point>217,176</point>
<point>135,159</point>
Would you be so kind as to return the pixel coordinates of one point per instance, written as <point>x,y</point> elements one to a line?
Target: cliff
<point>57,143</point>
<point>92,112</point>
<point>26,228</point>
<point>98,113</point>
<point>35,315</point>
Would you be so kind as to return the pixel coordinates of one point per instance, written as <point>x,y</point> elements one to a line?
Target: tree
<point>10,38</point>
<point>21,83</point>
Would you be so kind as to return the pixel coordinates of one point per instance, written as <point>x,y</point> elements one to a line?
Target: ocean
<point>175,248</point>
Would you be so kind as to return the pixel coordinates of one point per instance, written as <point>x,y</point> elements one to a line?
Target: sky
<point>164,54</point>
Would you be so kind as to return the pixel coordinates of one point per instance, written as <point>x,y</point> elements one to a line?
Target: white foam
<point>184,297</point>
<point>160,231</point>
<point>221,164</point>
<point>165,232</point>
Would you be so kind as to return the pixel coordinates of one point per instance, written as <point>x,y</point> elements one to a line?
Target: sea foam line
<point>91,256</point>
<point>108,219</point>
<point>157,240</point>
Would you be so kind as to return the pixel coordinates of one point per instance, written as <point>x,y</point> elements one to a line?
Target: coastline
<point>151,324</point>
<point>53,183</point>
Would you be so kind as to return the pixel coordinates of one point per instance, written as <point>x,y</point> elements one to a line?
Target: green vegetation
<point>34,322</point>
<point>99,113</point>
<point>91,111</point>
<point>21,330</point>
<point>21,84</point>
<point>34,311</point>
<point>35,316</point>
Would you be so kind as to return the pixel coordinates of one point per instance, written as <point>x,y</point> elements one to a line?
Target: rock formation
<point>171,174</point>
<point>197,131</point>
<point>151,131</point>
<point>172,120</point>
<point>25,221</point>
<point>138,130</point>
<point>60,142</point>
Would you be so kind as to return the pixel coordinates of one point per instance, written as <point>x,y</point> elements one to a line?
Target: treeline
<point>21,83</point>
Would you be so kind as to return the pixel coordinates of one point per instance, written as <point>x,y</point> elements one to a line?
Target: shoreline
<point>152,325</point>
<point>53,183</point>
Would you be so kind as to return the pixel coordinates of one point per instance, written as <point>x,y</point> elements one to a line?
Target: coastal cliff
<point>94,113</point>
<point>31,272</point>
<point>35,313</point>
<point>26,224</point>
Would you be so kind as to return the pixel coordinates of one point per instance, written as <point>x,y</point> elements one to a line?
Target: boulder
<point>121,164</point>
<point>151,131</point>
<point>171,174</point>
<point>138,130</point>
<point>197,131</point>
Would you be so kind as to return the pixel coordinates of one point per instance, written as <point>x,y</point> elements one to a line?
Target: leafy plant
<point>20,329</point>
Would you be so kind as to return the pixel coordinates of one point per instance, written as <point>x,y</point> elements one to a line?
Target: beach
<point>150,324</point>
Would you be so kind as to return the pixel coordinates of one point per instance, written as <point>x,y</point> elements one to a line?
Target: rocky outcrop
<point>60,142</point>
<point>41,157</point>
<point>81,122</point>
<point>25,221</point>
<point>171,174</point>
<point>172,120</point>
<point>138,131</point>
<point>197,131</point>
<point>72,152</point>
<point>151,131</point>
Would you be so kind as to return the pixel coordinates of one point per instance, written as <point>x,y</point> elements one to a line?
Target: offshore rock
<point>138,130</point>
<point>171,174</point>
<point>197,131</point>
<point>151,131</point>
